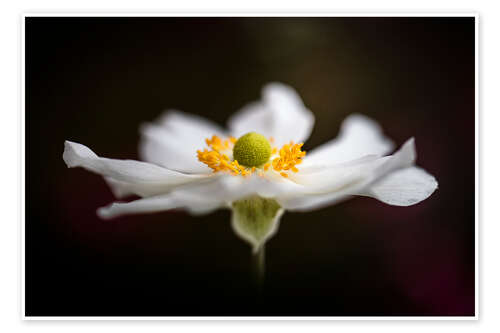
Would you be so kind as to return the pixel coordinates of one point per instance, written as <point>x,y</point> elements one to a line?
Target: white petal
<point>404,187</point>
<point>123,189</point>
<point>145,205</point>
<point>172,141</point>
<point>227,188</point>
<point>195,197</point>
<point>202,197</point>
<point>154,204</point>
<point>359,136</point>
<point>281,115</point>
<point>199,197</point>
<point>324,179</point>
<point>129,176</point>
<point>342,181</point>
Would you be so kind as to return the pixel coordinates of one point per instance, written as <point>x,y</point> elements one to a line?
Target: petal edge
<point>404,187</point>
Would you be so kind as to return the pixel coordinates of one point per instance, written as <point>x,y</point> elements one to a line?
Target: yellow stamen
<point>289,156</point>
<point>218,144</point>
<point>216,161</point>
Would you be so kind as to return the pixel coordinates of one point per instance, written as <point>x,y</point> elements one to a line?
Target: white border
<point>476,166</point>
<point>246,14</point>
<point>22,161</point>
<point>241,14</point>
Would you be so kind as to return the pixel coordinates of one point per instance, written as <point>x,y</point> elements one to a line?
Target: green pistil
<point>252,150</point>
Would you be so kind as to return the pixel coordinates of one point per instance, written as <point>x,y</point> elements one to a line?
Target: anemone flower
<point>256,167</point>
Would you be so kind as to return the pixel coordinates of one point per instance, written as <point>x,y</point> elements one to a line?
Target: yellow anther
<point>289,156</point>
<point>218,144</point>
<point>215,160</point>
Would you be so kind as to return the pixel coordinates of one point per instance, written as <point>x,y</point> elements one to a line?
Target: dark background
<point>94,80</point>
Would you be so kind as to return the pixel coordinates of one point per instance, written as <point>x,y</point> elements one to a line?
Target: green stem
<point>259,267</point>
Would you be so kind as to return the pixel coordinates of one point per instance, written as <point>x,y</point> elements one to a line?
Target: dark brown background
<point>94,80</point>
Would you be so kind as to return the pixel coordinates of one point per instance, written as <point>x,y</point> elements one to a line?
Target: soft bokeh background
<point>94,80</point>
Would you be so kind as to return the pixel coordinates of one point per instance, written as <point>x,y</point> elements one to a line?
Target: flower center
<point>252,150</point>
<point>250,153</point>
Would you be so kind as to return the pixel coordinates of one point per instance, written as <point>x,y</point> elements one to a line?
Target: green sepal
<point>256,219</point>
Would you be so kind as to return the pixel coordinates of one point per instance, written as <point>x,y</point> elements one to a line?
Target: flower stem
<point>259,267</point>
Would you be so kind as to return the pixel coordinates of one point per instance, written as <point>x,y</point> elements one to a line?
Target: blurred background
<point>94,80</point>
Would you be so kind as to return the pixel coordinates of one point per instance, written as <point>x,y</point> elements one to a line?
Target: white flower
<point>179,173</point>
